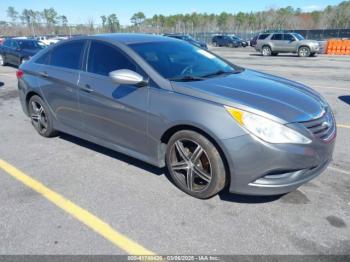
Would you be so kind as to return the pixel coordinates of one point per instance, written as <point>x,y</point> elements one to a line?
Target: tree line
<point>48,21</point>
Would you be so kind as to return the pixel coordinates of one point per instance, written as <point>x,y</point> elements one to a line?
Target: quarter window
<point>68,55</point>
<point>104,58</point>
<point>263,36</point>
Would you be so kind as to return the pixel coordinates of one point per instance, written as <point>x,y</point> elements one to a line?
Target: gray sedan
<point>167,102</point>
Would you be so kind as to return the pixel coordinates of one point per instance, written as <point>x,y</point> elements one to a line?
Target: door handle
<point>86,88</point>
<point>44,74</point>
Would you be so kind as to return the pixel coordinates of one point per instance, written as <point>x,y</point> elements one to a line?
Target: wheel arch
<point>172,130</point>
<point>29,95</point>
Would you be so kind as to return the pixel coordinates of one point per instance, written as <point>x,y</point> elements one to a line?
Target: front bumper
<point>260,168</point>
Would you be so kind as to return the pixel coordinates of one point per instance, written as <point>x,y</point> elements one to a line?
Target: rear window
<point>68,55</point>
<point>263,36</point>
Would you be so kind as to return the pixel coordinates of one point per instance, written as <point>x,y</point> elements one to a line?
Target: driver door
<point>290,42</point>
<point>113,113</point>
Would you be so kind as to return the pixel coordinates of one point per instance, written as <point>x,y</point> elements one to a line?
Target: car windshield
<point>29,45</point>
<point>180,61</point>
<point>299,36</point>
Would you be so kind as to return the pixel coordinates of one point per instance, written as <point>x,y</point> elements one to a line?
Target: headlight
<point>266,129</point>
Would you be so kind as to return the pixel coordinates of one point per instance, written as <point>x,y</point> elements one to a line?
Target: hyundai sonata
<point>167,102</point>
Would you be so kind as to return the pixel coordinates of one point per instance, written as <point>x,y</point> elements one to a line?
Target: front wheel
<point>304,51</point>
<point>195,164</point>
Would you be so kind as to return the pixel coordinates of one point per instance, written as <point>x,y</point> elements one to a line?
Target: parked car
<point>242,42</point>
<point>50,40</point>
<point>276,43</point>
<point>17,51</point>
<point>168,102</point>
<point>188,39</point>
<point>226,40</point>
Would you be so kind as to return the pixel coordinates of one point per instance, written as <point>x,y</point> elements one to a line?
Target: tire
<point>304,51</point>
<point>266,50</point>
<point>41,117</point>
<point>313,54</point>
<point>2,60</point>
<point>215,44</point>
<point>200,175</point>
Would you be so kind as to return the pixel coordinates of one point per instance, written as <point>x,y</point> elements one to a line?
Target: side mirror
<point>127,77</point>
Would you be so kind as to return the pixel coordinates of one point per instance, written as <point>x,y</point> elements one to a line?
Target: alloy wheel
<point>1,60</point>
<point>304,52</point>
<point>38,117</point>
<point>266,51</point>
<point>191,165</point>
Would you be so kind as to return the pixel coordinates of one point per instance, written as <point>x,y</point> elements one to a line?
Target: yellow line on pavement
<point>344,126</point>
<point>95,223</point>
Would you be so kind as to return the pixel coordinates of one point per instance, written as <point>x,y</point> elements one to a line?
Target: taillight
<point>19,74</point>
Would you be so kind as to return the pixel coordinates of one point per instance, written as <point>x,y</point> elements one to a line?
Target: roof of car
<point>133,38</point>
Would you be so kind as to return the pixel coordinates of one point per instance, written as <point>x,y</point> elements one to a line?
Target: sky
<point>78,11</point>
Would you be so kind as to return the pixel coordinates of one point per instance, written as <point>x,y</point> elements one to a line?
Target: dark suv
<point>228,40</point>
<point>16,51</point>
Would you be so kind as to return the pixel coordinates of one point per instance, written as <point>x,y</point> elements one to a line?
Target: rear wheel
<point>304,51</point>
<point>195,164</point>
<point>266,51</point>
<point>40,117</point>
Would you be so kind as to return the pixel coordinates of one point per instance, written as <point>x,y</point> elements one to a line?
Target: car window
<point>104,58</point>
<point>175,59</point>
<point>276,37</point>
<point>43,59</point>
<point>7,43</point>
<point>68,55</point>
<point>29,45</point>
<point>299,36</point>
<point>14,44</point>
<point>289,37</point>
<point>263,36</point>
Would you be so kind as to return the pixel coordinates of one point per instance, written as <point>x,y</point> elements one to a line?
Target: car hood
<point>308,42</point>
<point>277,98</point>
<point>30,52</point>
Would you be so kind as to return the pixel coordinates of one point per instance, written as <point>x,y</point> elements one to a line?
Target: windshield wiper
<point>186,78</point>
<point>220,72</point>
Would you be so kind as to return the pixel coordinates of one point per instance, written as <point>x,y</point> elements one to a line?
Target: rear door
<point>58,76</point>
<point>277,42</point>
<point>116,114</point>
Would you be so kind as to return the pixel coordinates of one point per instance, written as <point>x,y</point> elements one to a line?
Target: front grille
<point>322,127</point>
